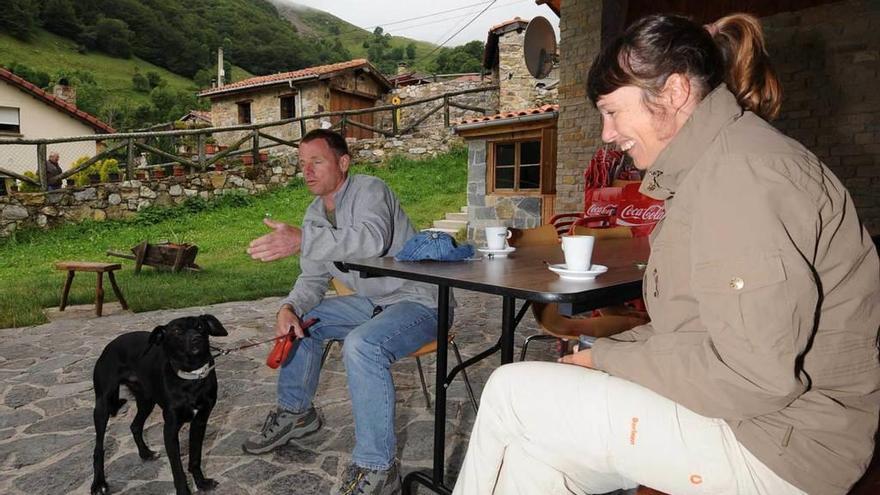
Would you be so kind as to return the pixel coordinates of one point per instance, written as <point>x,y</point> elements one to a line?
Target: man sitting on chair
<point>386,319</point>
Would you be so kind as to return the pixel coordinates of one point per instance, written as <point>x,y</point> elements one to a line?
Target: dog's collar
<point>196,374</point>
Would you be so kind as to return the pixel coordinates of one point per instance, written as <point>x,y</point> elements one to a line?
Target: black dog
<point>171,366</point>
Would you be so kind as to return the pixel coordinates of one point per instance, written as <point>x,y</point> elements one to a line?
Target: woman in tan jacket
<point>759,370</point>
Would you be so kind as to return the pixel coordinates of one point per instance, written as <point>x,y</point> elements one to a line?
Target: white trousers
<point>548,428</point>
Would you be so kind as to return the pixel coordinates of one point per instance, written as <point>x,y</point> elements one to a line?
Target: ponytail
<point>730,50</point>
<point>749,74</point>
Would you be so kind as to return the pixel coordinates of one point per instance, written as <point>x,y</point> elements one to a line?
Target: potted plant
<point>141,174</point>
<point>179,171</point>
<point>211,146</point>
<point>27,186</point>
<point>109,170</point>
<point>247,159</point>
<point>159,173</point>
<point>219,166</point>
<point>264,156</point>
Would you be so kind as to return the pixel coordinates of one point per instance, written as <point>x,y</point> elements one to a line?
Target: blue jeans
<point>370,345</point>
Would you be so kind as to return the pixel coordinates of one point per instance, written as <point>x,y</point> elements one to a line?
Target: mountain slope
<point>313,22</point>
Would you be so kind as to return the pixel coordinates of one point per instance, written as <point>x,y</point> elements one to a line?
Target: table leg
<point>508,325</point>
<point>435,481</point>
<point>117,291</point>
<point>66,291</point>
<point>99,294</point>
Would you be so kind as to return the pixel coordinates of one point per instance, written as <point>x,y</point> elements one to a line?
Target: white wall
<point>40,120</point>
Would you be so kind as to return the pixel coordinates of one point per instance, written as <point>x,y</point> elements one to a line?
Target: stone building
<point>27,111</point>
<point>827,54</point>
<point>503,59</point>
<point>343,86</point>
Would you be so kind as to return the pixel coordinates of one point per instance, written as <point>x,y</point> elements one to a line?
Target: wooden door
<point>347,101</point>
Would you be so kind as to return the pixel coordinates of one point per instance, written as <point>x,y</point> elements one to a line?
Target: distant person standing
<point>53,169</point>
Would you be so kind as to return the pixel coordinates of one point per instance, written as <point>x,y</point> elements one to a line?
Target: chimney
<point>221,74</point>
<point>402,68</point>
<point>65,92</point>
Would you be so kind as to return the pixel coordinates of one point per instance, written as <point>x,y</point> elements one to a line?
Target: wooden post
<point>129,166</point>
<point>41,167</point>
<point>302,128</point>
<point>343,124</point>
<point>395,116</point>
<point>445,111</point>
<point>201,145</point>
<point>255,151</point>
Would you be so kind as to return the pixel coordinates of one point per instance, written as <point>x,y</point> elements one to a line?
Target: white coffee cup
<point>496,237</point>
<point>578,250</point>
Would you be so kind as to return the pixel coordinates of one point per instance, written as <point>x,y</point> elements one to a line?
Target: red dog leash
<point>281,350</point>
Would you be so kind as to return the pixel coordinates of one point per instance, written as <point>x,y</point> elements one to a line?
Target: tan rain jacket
<point>764,294</point>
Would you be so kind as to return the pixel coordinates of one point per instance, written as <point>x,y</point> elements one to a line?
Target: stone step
<point>464,209</point>
<point>450,224</point>
<point>459,217</point>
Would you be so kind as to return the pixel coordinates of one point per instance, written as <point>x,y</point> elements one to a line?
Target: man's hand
<point>287,321</point>
<point>582,358</point>
<point>283,241</point>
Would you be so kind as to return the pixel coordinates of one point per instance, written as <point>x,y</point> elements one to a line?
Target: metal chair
<point>429,348</point>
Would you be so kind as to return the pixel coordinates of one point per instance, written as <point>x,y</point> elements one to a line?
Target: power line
<point>456,33</point>
<point>453,18</point>
<point>371,28</point>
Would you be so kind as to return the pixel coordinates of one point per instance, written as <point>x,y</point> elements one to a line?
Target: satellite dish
<point>539,47</point>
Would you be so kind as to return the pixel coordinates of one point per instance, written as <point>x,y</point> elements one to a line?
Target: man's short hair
<point>336,142</point>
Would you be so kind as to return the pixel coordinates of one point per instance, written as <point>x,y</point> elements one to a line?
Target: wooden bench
<point>99,268</point>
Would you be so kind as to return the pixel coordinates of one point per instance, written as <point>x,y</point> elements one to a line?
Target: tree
<point>19,18</point>
<point>59,16</point>
<point>140,83</point>
<point>113,37</point>
<point>411,51</point>
<point>463,58</point>
<point>155,79</point>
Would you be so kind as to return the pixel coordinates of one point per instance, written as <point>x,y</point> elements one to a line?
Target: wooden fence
<point>127,145</point>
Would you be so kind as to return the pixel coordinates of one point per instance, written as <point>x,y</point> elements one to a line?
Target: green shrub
<point>27,186</point>
<point>106,167</point>
<point>81,178</point>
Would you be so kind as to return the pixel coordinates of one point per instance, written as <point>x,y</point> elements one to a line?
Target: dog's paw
<point>148,455</point>
<point>206,484</point>
<point>100,488</point>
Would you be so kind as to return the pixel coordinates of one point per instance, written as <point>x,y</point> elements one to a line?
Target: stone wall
<point>431,142</point>
<point>408,115</point>
<point>518,89</point>
<point>579,126</point>
<point>489,211</point>
<point>828,59</point>
<point>122,200</point>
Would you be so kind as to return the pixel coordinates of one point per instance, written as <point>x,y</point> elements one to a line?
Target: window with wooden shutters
<point>10,120</point>
<point>288,107</point>
<point>244,112</point>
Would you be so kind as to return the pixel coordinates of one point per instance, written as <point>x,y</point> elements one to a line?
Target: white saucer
<point>577,275</point>
<point>497,253</point>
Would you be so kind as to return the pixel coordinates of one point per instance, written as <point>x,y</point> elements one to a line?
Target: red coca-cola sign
<point>600,210</point>
<point>641,213</point>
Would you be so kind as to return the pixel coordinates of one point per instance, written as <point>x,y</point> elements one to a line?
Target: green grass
<point>49,53</point>
<point>222,230</point>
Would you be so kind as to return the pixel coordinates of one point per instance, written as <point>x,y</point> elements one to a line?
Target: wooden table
<point>522,275</point>
<point>99,268</point>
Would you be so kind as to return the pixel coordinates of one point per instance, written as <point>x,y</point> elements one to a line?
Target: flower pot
<point>113,176</point>
<point>218,167</point>
<point>94,179</point>
<point>141,175</point>
<point>179,171</point>
<point>159,173</point>
<point>210,148</point>
<point>264,156</point>
<point>247,159</point>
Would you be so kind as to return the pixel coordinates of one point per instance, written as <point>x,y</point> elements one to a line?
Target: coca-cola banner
<point>627,206</point>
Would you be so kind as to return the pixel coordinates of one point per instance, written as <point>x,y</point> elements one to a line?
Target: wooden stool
<point>86,266</point>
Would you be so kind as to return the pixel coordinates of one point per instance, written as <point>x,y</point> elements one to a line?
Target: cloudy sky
<point>432,20</point>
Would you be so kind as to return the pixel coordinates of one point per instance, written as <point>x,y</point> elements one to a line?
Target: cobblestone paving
<point>46,401</point>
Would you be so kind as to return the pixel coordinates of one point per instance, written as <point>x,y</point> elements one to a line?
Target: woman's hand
<point>582,358</point>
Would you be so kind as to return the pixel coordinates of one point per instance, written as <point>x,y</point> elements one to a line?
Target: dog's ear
<point>215,328</point>
<point>157,335</point>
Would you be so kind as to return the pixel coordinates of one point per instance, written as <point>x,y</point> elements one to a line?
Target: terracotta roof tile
<point>308,72</point>
<point>507,23</point>
<point>56,102</point>
<point>510,115</point>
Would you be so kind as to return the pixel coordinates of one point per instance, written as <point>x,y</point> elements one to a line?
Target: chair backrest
<point>538,236</point>
<point>340,288</point>
<point>603,233</point>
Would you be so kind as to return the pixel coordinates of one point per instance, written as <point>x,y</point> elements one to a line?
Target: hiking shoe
<point>357,481</point>
<point>280,427</point>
